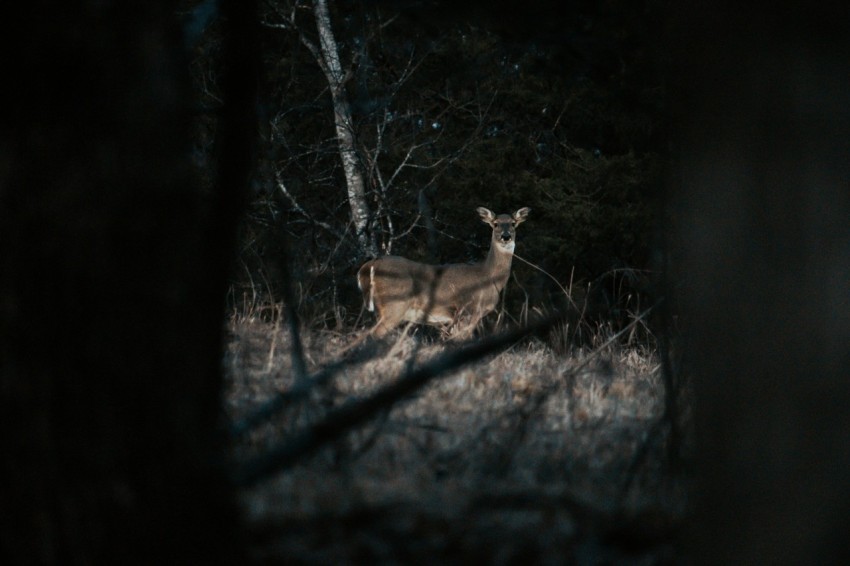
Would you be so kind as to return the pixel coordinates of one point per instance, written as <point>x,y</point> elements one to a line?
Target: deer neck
<point>498,263</point>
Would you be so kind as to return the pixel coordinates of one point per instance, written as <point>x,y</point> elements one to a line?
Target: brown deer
<point>455,297</point>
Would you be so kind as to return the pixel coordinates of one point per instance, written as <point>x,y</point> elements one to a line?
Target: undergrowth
<point>539,452</point>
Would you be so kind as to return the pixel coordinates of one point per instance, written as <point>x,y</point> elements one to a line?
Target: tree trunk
<point>360,213</point>
<point>111,298</point>
<point>763,209</point>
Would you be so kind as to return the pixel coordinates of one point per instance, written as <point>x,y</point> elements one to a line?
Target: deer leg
<point>465,324</point>
<point>388,318</point>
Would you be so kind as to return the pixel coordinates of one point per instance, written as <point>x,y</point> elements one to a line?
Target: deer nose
<point>506,236</point>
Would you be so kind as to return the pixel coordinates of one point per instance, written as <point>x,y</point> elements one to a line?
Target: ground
<point>535,454</point>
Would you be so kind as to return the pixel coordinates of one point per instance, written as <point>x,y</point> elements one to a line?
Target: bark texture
<point>332,67</point>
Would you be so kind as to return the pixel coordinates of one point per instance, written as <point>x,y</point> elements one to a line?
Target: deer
<point>453,297</point>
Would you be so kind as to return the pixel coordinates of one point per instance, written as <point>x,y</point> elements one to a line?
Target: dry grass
<point>524,455</point>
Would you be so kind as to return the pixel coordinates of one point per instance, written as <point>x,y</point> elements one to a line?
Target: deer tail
<point>366,283</point>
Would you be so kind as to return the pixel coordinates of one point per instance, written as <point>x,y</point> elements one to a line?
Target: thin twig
<point>300,210</point>
<point>550,276</point>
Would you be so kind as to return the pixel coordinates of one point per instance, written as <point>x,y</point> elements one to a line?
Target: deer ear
<point>521,214</point>
<point>487,215</point>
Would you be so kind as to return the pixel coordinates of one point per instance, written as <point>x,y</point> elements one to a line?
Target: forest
<point>651,369</point>
<point>443,112</point>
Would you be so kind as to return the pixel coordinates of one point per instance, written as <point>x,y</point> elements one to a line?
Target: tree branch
<point>300,209</point>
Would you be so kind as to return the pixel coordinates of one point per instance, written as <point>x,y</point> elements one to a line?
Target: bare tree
<point>388,154</point>
<point>331,66</point>
<point>326,54</point>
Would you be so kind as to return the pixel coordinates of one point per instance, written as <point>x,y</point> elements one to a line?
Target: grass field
<point>531,454</point>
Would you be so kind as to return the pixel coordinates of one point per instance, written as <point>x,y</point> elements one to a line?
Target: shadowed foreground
<point>523,455</point>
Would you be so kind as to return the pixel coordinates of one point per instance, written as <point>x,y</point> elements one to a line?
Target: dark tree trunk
<point>111,285</point>
<point>764,212</point>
